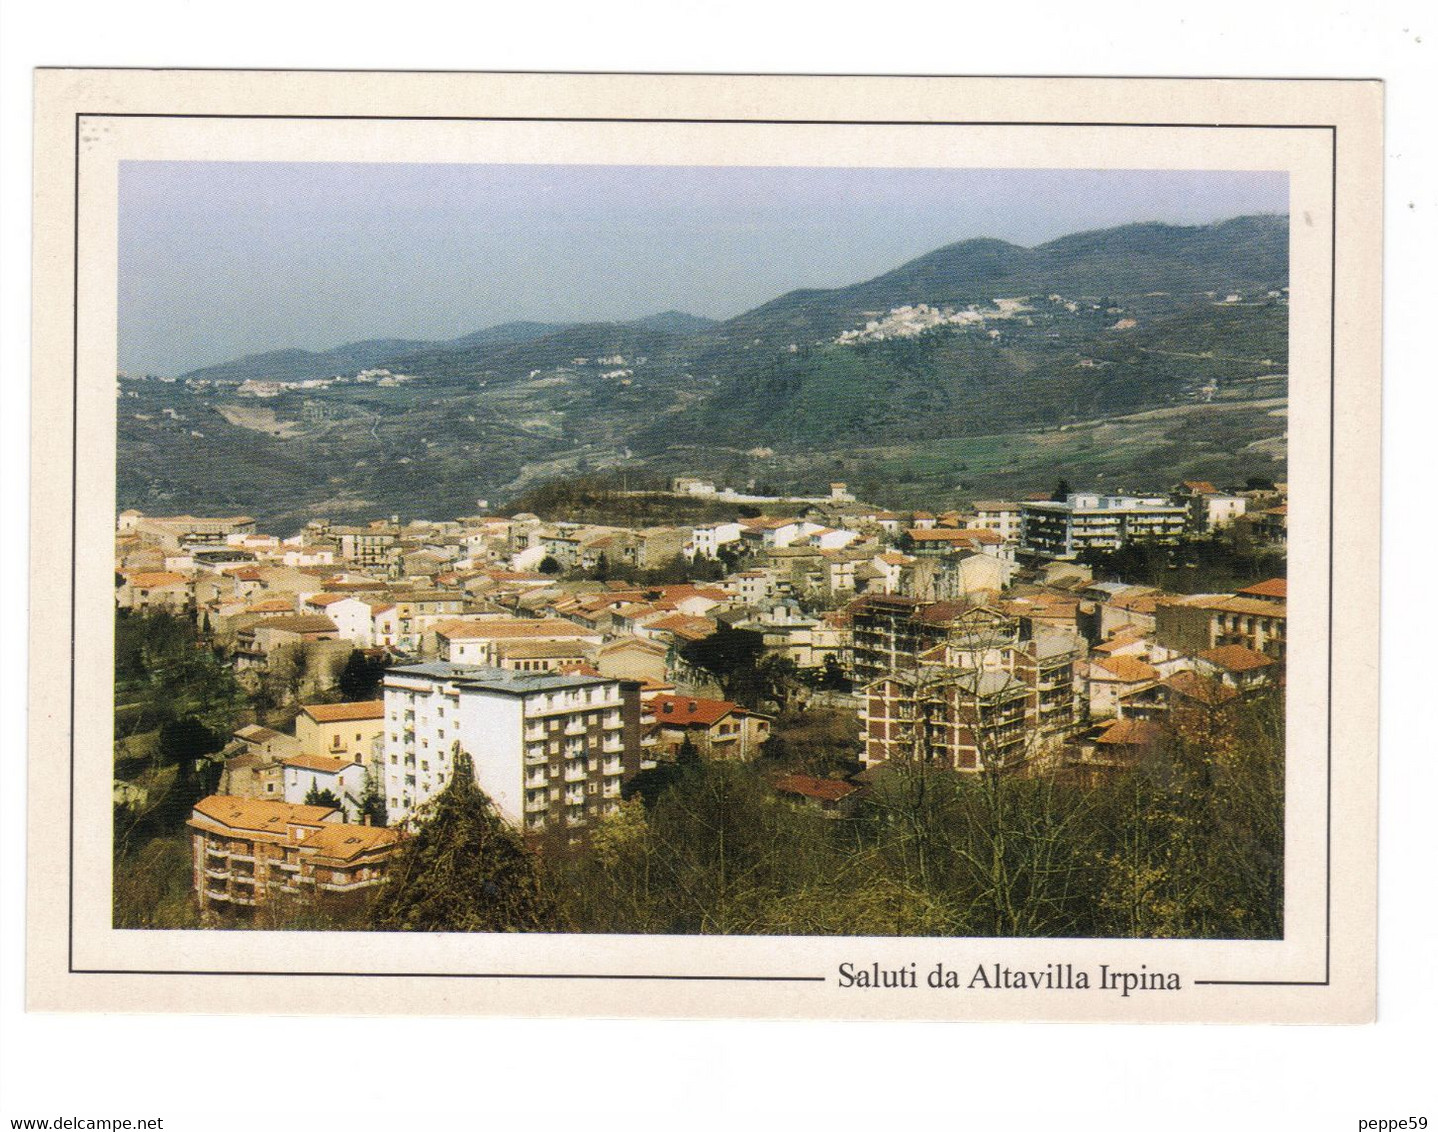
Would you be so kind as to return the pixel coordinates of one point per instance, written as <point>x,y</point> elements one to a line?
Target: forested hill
<point>952,352</point>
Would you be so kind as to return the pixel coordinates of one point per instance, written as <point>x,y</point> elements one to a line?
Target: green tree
<point>550,565</point>
<point>314,796</point>
<point>466,870</point>
<point>729,655</point>
<point>361,676</point>
<point>372,805</point>
<point>1194,836</point>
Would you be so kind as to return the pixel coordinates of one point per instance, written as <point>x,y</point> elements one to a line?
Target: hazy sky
<point>223,259</point>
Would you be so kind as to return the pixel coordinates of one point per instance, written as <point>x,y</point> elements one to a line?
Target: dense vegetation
<point>177,704</point>
<point>465,871</point>
<point>1190,845</point>
<point>1219,563</point>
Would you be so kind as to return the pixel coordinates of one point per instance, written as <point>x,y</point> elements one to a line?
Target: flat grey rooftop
<point>496,679</point>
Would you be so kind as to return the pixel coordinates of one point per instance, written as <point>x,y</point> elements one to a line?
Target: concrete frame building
<point>552,751</point>
<point>1091,521</point>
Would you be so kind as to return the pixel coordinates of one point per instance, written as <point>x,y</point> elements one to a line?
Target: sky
<point>218,260</point>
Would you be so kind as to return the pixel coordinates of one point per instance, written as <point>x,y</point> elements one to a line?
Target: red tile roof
<point>345,712</point>
<point>342,842</point>
<point>1131,733</point>
<point>953,535</point>
<point>1236,658</point>
<point>822,789</point>
<point>154,579</point>
<point>325,764</point>
<point>689,628</point>
<point>1192,686</point>
<point>690,711</point>
<point>1274,587</point>
<point>1129,669</point>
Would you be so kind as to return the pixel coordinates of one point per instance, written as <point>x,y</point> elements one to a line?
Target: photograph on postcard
<point>615,574</point>
<point>551,540</point>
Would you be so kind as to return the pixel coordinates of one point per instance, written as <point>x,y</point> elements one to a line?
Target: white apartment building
<point>1004,519</point>
<point>705,541</point>
<point>1214,510</point>
<point>1092,521</point>
<point>552,751</point>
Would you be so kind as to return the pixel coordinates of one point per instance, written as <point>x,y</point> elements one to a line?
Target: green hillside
<point>1015,342</point>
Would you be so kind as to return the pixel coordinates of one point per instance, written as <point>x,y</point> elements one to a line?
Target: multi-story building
<point>1090,521</point>
<point>1271,525</point>
<point>1003,518</point>
<point>552,751</point>
<point>479,642</point>
<point>716,728</point>
<point>885,633</point>
<point>1199,622</point>
<point>342,779</point>
<point>249,852</point>
<point>373,547</point>
<point>146,590</point>
<point>1208,508</point>
<point>418,611</point>
<point>344,730</point>
<point>705,540</point>
<point>176,532</point>
<point>980,697</point>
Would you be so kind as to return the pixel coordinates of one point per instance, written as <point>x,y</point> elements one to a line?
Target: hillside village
<point>569,664</point>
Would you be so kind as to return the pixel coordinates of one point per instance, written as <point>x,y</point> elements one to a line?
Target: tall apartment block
<point>981,695</point>
<point>1090,521</point>
<point>551,750</point>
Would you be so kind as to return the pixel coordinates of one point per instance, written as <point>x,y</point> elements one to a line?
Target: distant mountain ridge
<point>976,339</point>
<point>294,364</point>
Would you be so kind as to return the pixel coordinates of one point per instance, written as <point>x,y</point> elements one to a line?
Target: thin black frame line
<point>1332,478</point>
<point>1333,132</point>
<point>885,122</point>
<point>474,975</point>
<point>722,74</point>
<point>1261,982</point>
<point>74,522</point>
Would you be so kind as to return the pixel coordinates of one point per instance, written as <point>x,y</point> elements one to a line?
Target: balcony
<point>575,773</point>
<point>350,886</point>
<point>218,874</point>
<point>211,894</point>
<point>574,727</point>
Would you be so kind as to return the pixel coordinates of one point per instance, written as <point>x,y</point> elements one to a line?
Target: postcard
<point>705,546</point>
